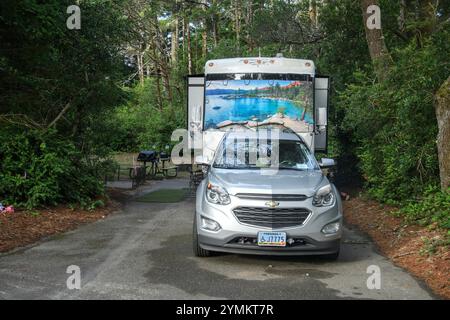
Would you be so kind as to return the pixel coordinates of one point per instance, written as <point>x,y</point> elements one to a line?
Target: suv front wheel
<point>331,257</point>
<point>198,251</point>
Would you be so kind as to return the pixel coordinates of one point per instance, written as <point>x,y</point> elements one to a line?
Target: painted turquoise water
<point>218,108</point>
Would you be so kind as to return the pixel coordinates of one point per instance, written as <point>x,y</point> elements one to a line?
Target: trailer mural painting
<point>259,102</point>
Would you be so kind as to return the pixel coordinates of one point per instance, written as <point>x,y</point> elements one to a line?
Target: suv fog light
<point>209,224</point>
<point>331,228</point>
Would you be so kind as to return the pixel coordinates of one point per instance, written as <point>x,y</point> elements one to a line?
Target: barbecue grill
<point>164,155</point>
<point>148,156</point>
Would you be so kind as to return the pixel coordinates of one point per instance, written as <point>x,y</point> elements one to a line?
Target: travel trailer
<point>272,88</point>
<point>239,207</point>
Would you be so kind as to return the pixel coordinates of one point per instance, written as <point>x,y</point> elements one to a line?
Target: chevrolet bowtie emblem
<point>272,204</point>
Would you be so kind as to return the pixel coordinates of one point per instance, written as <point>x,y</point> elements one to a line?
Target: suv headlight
<point>324,197</point>
<point>216,194</point>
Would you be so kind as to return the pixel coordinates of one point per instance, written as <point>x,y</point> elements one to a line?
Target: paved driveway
<point>144,252</point>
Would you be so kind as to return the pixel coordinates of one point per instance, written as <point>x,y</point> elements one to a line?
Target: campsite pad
<point>164,195</point>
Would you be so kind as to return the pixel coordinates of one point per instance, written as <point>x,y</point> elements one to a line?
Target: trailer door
<point>321,103</point>
<point>196,93</point>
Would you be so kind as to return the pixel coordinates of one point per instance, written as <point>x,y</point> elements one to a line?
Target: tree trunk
<point>205,31</point>
<point>158,90</point>
<point>442,107</point>
<point>188,44</point>
<point>379,53</point>
<point>140,62</point>
<point>160,58</point>
<point>237,22</point>
<point>215,33</point>
<point>174,45</point>
<point>76,127</point>
<point>166,80</point>
<point>183,30</point>
<point>204,41</point>
<point>156,70</point>
<point>313,12</point>
<point>248,23</point>
<point>215,26</point>
<point>402,16</point>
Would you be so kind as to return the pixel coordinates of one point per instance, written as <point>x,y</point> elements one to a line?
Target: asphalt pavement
<point>144,251</point>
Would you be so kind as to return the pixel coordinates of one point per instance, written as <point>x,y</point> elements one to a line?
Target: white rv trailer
<point>257,92</point>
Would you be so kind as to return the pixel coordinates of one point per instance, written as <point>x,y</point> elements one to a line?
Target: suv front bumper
<point>235,237</point>
<point>308,247</point>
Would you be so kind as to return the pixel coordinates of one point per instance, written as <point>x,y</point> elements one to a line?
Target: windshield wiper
<point>221,166</point>
<point>296,169</point>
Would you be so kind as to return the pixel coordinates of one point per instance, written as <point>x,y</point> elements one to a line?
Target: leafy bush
<point>41,168</point>
<point>393,122</point>
<point>433,207</point>
<point>142,124</point>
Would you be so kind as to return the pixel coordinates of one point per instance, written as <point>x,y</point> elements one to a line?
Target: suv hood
<point>253,181</point>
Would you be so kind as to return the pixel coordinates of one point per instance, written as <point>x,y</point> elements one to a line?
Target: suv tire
<point>198,251</point>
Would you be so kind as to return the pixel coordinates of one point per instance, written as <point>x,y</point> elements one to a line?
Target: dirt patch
<point>22,228</point>
<point>406,245</point>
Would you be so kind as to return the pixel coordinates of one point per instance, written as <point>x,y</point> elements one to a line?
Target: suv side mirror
<point>327,163</point>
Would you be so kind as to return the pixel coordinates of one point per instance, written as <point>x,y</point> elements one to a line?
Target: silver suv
<point>243,206</point>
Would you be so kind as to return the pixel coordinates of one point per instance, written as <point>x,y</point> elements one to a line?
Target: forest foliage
<point>70,98</point>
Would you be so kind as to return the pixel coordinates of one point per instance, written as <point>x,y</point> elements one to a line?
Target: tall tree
<point>214,23</point>
<point>379,53</point>
<point>188,44</point>
<point>442,106</point>
<point>204,29</point>
<point>174,40</point>
<point>237,21</point>
<point>313,12</point>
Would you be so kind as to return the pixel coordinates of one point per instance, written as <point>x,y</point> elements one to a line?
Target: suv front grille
<point>271,217</point>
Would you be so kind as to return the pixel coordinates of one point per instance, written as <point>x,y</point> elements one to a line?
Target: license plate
<point>272,239</point>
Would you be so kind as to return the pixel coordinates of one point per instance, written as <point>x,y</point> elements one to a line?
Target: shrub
<point>433,207</point>
<point>142,124</point>
<point>393,122</point>
<point>41,168</point>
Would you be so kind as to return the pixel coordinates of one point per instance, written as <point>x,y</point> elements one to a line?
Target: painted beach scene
<point>256,103</point>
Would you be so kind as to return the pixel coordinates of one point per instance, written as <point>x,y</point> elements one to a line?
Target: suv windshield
<point>254,154</point>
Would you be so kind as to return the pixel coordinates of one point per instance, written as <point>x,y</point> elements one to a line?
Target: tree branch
<point>64,110</point>
<point>21,120</point>
<point>197,3</point>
